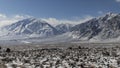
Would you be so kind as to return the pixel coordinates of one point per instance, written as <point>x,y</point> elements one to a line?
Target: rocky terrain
<point>100,28</point>
<point>75,56</point>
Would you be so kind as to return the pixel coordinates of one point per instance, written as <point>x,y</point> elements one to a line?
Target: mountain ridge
<point>105,27</point>
<point>99,28</point>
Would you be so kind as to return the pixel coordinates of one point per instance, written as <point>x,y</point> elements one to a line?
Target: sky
<point>56,10</point>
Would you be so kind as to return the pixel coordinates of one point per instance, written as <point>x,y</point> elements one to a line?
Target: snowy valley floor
<point>80,55</point>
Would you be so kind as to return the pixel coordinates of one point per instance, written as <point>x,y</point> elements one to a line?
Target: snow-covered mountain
<point>63,28</point>
<point>105,27</point>
<point>97,29</point>
<point>31,26</point>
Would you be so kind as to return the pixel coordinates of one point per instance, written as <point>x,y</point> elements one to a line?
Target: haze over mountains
<point>101,28</point>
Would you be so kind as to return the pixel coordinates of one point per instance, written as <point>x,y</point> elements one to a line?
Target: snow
<point>30,26</point>
<point>25,42</point>
<point>101,29</point>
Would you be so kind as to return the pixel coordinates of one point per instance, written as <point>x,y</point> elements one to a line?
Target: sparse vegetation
<point>8,50</point>
<point>70,57</point>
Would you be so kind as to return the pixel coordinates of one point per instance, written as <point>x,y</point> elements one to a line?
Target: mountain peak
<point>31,26</point>
<point>108,16</point>
<point>105,27</point>
<point>111,14</point>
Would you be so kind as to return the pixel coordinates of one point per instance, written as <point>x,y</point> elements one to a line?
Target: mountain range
<point>99,28</point>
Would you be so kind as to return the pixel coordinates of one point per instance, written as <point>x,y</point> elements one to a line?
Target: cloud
<point>117,0</point>
<point>6,20</point>
<point>54,21</point>
<point>100,12</point>
<point>2,16</point>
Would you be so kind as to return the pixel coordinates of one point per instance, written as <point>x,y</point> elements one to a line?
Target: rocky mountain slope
<point>100,28</point>
<point>31,26</point>
<point>105,27</point>
<point>63,28</point>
